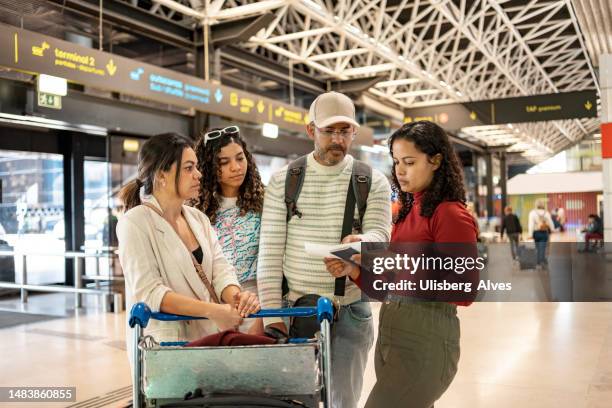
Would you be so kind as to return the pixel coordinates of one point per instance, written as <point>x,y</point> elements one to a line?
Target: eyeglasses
<point>344,134</point>
<point>215,134</point>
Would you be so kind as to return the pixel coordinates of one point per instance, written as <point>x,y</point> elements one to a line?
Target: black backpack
<point>361,181</point>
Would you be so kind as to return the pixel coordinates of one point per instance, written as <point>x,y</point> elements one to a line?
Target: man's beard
<point>325,154</point>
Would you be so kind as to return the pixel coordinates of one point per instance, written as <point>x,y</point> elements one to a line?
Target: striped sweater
<point>321,202</point>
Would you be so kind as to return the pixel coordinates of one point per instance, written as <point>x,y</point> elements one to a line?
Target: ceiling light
<point>130,145</point>
<point>269,130</point>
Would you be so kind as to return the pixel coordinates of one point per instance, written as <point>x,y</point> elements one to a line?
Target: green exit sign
<point>49,101</point>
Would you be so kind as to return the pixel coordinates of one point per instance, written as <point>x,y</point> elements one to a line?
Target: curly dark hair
<point>447,183</point>
<point>251,192</point>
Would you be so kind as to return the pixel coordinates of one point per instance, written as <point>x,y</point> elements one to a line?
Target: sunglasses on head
<point>215,134</point>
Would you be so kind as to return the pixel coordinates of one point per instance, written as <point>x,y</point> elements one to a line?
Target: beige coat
<point>155,261</point>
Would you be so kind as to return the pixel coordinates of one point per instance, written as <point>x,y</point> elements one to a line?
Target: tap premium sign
<point>536,108</point>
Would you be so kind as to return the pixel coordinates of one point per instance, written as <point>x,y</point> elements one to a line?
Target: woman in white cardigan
<point>169,252</point>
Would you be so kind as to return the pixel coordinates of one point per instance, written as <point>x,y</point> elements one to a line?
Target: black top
<point>511,225</point>
<point>595,227</point>
<point>198,254</point>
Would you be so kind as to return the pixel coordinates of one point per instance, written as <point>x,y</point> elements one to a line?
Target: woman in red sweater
<point>417,349</point>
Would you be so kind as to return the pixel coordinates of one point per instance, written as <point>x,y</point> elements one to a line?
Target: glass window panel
<point>32,212</point>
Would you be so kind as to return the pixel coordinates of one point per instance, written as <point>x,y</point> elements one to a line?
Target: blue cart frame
<point>141,314</point>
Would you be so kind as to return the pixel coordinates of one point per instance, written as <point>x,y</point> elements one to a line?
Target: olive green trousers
<point>417,352</point>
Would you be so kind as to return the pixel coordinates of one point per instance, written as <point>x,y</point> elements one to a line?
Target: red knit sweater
<point>450,223</point>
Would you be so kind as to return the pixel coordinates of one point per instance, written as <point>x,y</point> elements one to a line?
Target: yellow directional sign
<point>111,67</point>
<point>588,105</point>
<point>246,104</point>
<point>293,116</point>
<point>261,106</point>
<point>31,52</point>
<point>234,99</point>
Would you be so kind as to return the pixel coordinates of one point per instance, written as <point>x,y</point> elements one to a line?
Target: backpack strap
<point>357,195</point>
<point>294,180</point>
<point>361,181</point>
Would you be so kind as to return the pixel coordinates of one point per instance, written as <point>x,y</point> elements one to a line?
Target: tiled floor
<point>528,355</point>
<point>513,355</point>
<point>86,351</point>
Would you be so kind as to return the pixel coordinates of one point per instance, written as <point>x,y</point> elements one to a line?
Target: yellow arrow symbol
<point>588,105</point>
<point>261,106</point>
<point>111,67</point>
<point>473,115</point>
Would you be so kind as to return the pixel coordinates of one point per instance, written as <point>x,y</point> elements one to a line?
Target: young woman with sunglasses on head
<point>231,195</point>
<point>417,349</point>
<point>169,253</point>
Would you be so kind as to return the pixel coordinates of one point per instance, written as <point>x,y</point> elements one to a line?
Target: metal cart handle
<point>141,313</point>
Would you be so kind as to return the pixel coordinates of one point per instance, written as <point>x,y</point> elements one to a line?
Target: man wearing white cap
<point>305,202</point>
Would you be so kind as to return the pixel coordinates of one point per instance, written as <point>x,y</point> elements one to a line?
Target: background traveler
<point>540,227</point>
<point>512,226</point>
<point>593,231</point>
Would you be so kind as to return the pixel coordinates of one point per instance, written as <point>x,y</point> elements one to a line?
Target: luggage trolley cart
<point>165,372</point>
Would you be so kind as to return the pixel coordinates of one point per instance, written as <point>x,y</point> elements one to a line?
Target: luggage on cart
<point>277,375</point>
<point>483,251</point>
<point>527,256</point>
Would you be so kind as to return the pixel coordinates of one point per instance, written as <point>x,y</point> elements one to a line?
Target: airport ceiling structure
<point>420,52</point>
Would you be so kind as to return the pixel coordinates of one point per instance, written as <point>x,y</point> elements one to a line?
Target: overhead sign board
<point>451,117</point>
<point>537,108</point>
<point>36,53</point>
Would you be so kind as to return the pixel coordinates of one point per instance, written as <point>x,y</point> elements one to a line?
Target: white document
<point>323,250</point>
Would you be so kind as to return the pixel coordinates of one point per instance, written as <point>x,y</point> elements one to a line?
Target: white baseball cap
<point>330,108</point>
